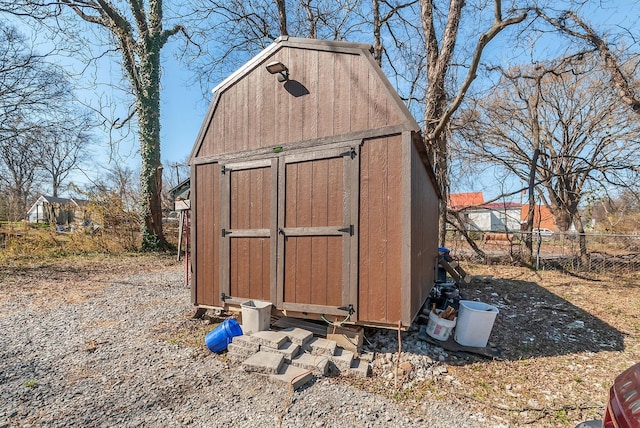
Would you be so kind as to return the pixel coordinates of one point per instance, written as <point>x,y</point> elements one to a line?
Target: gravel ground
<point>88,351</point>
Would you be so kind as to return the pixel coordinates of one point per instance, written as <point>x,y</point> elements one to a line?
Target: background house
<point>487,217</point>
<point>59,211</point>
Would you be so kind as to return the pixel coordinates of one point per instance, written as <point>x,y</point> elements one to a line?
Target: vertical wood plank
<point>326,95</point>
<point>264,109</point>
<point>376,262</point>
<point>281,105</point>
<point>309,113</point>
<point>359,106</point>
<point>275,251</point>
<point>224,182</point>
<point>319,217</point>
<point>206,240</point>
<point>377,105</point>
<point>304,202</point>
<point>364,286</point>
<point>296,111</point>
<point>394,230</point>
<point>290,220</point>
<point>341,109</point>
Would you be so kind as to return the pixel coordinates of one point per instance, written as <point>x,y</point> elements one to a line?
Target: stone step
<point>320,346</point>
<point>359,368</point>
<point>287,349</point>
<point>342,359</point>
<point>263,362</point>
<point>246,342</point>
<point>318,364</point>
<point>236,351</point>
<point>292,375</point>
<point>270,339</point>
<point>298,335</point>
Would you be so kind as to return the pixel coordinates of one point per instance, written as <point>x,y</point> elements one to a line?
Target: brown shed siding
<point>310,193</point>
<point>380,298</point>
<point>207,255</point>
<point>250,208</point>
<point>313,264</point>
<point>344,95</point>
<point>424,232</point>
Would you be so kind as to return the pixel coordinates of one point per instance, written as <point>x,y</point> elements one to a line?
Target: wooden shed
<point>310,189</point>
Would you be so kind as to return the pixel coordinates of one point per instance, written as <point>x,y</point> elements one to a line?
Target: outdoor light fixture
<point>278,67</point>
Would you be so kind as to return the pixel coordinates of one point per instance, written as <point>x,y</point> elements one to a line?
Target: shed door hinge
<point>224,297</point>
<point>351,153</point>
<point>226,232</point>
<point>348,230</point>
<point>223,169</point>
<point>348,308</point>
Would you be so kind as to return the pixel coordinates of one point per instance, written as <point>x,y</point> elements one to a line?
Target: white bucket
<point>439,328</point>
<point>256,316</point>
<point>475,322</point>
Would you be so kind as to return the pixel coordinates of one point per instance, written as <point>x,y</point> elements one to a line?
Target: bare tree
<point>136,31</point>
<point>29,89</point>
<point>441,37</point>
<point>622,77</point>
<point>19,171</point>
<point>64,144</point>
<point>562,124</point>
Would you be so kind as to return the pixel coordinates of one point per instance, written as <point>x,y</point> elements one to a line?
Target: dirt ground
<point>562,338</point>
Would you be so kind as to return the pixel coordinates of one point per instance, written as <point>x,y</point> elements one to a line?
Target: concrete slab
<point>292,375</point>
<point>288,350</point>
<point>271,339</point>
<point>263,362</point>
<point>318,364</point>
<point>320,346</point>
<point>297,335</point>
<point>342,359</point>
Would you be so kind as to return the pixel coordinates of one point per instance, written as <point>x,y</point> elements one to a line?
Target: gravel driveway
<point>81,347</point>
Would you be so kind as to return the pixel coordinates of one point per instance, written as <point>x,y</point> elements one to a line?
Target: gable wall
<point>345,94</point>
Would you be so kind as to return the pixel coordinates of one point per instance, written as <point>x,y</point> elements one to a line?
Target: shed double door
<point>289,231</point>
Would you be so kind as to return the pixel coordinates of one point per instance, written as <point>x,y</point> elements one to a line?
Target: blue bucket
<point>218,338</point>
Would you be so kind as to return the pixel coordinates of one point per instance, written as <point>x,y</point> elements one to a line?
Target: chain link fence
<point>599,254</point>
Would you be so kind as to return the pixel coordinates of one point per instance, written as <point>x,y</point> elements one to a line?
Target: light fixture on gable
<point>276,67</point>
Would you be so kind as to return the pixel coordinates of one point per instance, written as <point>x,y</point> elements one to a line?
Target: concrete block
<point>349,338</point>
<point>246,342</point>
<point>318,364</point>
<point>270,339</point>
<point>320,346</point>
<point>297,335</point>
<point>263,362</point>
<point>292,375</point>
<point>288,350</point>
<point>234,350</point>
<point>359,368</point>
<point>342,359</point>
<point>367,356</point>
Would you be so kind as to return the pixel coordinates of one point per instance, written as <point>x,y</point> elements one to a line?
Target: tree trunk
<point>282,17</point>
<point>528,239</point>
<point>148,111</point>
<point>377,38</point>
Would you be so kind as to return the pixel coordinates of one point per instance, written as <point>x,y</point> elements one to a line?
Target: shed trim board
<point>309,195</point>
<point>306,145</point>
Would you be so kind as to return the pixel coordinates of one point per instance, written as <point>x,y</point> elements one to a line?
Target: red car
<point>623,409</point>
